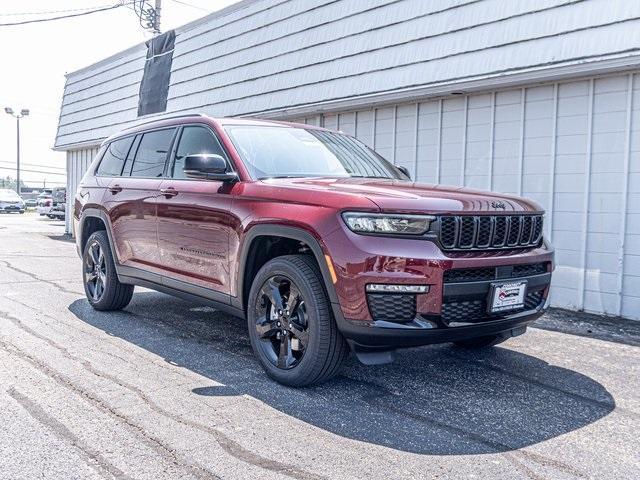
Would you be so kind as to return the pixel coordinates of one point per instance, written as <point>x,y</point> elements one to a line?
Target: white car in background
<point>45,202</point>
<point>10,201</point>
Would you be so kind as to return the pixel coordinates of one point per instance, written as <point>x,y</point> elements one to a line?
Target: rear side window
<point>126,171</point>
<point>193,141</point>
<point>152,153</point>
<point>114,157</point>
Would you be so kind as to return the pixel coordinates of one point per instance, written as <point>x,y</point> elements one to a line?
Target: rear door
<point>193,218</point>
<point>131,199</point>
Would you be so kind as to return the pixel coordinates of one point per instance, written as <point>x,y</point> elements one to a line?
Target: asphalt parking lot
<point>167,389</point>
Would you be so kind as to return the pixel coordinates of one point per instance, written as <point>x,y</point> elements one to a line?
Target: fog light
<point>387,288</point>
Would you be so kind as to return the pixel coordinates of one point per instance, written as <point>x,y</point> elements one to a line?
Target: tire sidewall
<point>304,369</point>
<point>101,238</point>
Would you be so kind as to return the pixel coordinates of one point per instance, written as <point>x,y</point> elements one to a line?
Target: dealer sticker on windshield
<point>507,296</point>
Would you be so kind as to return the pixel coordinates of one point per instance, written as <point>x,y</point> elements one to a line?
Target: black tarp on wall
<point>157,72</point>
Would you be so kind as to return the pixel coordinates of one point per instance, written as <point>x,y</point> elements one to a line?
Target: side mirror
<point>209,167</point>
<point>404,170</point>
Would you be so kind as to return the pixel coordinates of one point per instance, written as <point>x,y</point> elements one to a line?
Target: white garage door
<point>574,147</point>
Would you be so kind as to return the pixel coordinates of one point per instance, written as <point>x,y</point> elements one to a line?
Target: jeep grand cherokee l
<point>320,243</point>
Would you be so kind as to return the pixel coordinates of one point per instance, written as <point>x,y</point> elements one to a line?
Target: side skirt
<point>185,291</point>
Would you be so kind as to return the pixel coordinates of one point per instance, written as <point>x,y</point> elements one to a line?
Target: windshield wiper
<point>268,177</point>
<point>372,176</point>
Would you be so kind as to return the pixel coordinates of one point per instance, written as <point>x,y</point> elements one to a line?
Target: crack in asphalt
<point>119,345</point>
<point>229,445</point>
<point>379,401</point>
<point>93,458</point>
<point>165,451</point>
<point>35,277</point>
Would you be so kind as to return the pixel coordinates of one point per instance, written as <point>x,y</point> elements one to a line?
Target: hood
<point>410,197</point>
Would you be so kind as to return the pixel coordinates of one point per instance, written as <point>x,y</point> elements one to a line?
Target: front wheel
<point>291,326</point>
<point>101,285</point>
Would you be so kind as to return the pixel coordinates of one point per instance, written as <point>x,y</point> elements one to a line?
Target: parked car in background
<point>45,202</point>
<point>11,202</point>
<point>31,202</point>
<point>59,207</point>
<point>316,240</point>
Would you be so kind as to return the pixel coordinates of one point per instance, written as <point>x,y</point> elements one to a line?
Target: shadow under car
<point>432,400</point>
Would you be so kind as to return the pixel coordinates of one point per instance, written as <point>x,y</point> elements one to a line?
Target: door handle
<point>115,189</point>
<point>168,192</point>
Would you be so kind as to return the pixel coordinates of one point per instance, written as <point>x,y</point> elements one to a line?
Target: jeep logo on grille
<point>498,205</point>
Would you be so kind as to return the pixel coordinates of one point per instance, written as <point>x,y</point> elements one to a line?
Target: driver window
<point>193,141</point>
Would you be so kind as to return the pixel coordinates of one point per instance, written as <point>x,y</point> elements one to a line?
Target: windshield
<point>272,151</point>
<point>8,195</point>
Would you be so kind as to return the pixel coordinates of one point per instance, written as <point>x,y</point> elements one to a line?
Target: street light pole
<point>23,113</point>
<point>18,155</point>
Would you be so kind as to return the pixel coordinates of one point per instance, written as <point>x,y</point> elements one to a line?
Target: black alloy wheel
<point>282,322</point>
<point>101,284</point>
<point>95,271</point>
<point>291,326</point>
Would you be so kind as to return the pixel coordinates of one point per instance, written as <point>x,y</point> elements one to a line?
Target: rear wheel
<point>101,285</point>
<point>291,326</point>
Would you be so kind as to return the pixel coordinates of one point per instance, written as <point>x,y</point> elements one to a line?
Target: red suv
<point>319,242</point>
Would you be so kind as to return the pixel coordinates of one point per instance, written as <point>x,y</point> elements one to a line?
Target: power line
<point>34,171</point>
<point>61,17</point>
<point>32,165</point>
<point>46,12</point>
<point>190,5</point>
<point>148,16</point>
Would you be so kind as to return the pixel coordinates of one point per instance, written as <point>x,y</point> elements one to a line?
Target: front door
<point>193,218</point>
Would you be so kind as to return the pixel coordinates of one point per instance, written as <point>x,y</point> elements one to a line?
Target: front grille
<point>493,273</point>
<point>476,310</point>
<point>469,275</point>
<point>529,269</point>
<point>489,232</point>
<point>392,307</point>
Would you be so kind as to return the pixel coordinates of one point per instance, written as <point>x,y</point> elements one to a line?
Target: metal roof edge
<point>495,81</point>
<point>217,14</point>
<point>78,146</point>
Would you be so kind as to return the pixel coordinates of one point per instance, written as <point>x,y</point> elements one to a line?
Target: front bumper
<point>361,260</point>
<point>387,335</point>
<point>11,208</point>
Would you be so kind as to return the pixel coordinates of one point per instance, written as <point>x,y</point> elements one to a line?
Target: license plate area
<point>506,296</point>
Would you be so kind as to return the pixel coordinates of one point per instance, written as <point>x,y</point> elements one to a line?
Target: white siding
<point>277,57</point>
<point>77,163</point>
<point>573,147</point>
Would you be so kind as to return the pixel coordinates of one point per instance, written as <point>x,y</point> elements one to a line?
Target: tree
<point>10,183</point>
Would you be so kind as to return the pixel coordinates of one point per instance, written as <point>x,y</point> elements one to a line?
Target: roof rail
<point>167,116</point>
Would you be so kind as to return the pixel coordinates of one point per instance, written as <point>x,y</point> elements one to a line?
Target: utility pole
<point>156,14</point>
<point>23,113</point>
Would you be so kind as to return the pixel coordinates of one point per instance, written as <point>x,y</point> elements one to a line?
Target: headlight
<point>387,223</point>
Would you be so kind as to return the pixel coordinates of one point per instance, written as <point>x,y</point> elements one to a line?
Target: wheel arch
<point>253,237</point>
<point>93,220</point>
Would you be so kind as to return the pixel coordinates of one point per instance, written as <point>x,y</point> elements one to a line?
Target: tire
<point>320,349</point>
<point>112,295</point>
<point>482,342</point>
